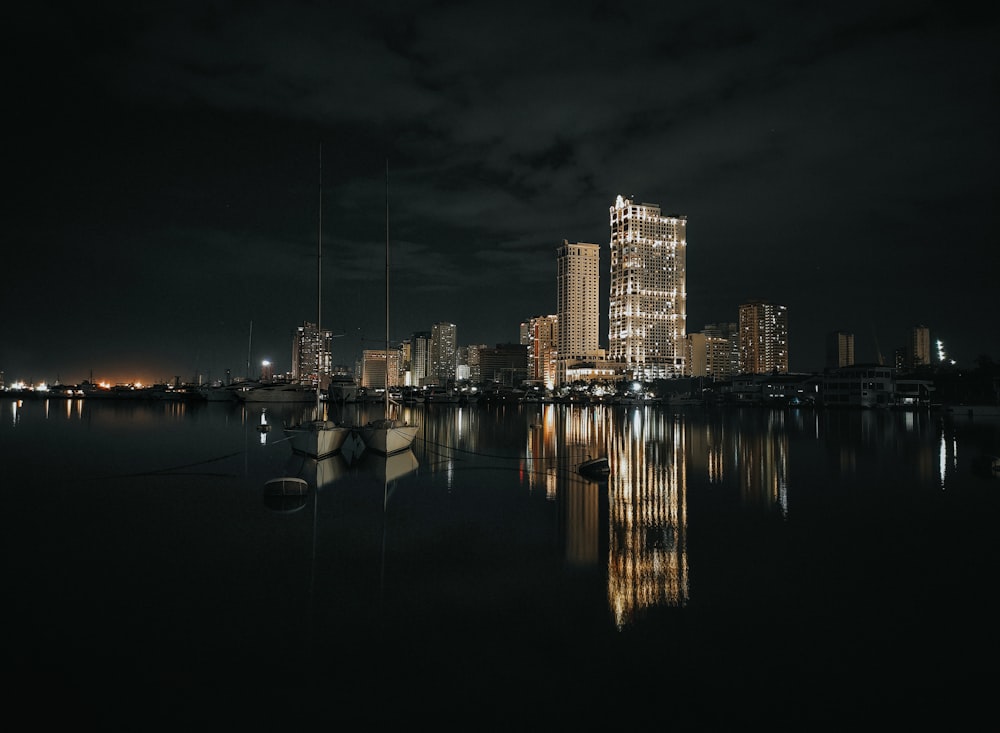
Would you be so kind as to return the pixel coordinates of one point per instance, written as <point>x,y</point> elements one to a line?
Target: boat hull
<point>317,438</point>
<point>596,468</point>
<point>387,436</point>
<point>283,393</point>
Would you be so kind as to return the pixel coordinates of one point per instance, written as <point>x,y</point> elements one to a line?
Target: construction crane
<point>878,351</point>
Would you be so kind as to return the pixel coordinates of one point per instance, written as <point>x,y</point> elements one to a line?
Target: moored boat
<point>318,438</point>
<point>596,467</point>
<point>389,434</point>
<point>278,392</point>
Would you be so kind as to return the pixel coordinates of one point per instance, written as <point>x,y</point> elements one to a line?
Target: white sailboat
<point>318,438</point>
<point>389,434</point>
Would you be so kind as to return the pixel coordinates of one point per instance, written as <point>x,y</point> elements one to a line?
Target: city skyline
<point>166,174</point>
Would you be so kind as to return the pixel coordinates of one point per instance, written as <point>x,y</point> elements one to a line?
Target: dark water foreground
<point>799,569</point>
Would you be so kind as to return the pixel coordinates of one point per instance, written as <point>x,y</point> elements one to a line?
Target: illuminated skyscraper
<point>578,278</point>
<point>919,349</point>
<point>763,338</point>
<point>648,300</point>
<point>540,335</point>
<point>311,354</point>
<point>420,357</point>
<point>444,347</point>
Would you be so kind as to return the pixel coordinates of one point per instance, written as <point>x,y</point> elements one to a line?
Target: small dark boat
<point>286,486</point>
<point>285,494</point>
<point>595,467</point>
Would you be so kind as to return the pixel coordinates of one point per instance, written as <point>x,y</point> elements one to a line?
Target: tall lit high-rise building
<point>475,365</point>
<point>578,278</point>
<point>763,338</point>
<point>540,334</point>
<point>420,357</point>
<point>311,354</point>
<point>444,347</point>
<point>839,349</point>
<point>647,308</point>
<point>919,348</point>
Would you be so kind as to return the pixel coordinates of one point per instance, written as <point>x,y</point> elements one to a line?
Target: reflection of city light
<point>943,458</point>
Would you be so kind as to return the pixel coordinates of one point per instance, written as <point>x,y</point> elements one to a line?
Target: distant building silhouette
<point>506,364</point>
<point>839,349</point>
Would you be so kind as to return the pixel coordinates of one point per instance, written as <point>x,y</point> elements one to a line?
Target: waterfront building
<point>839,349</point>
<point>647,308</point>
<point>873,385</point>
<point>443,353</point>
<point>763,337</point>
<point>775,388</point>
<point>578,278</point>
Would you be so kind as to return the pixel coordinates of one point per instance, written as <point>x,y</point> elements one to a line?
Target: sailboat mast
<point>319,286</point>
<point>387,287</point>
<point>249,349</point>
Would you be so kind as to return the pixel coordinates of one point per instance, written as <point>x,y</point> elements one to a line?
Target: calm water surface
<point>801,567</point>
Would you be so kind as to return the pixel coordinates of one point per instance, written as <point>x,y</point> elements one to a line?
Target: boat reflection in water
<point>389,468</point>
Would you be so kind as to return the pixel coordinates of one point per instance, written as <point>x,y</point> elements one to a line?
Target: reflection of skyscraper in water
<point>586,432</point>
<point>541,472</point>
<point>763,463</point>
<point>582,506</point>
<point>647,564</point>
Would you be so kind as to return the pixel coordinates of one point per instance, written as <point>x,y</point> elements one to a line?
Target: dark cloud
<point>840,159</point>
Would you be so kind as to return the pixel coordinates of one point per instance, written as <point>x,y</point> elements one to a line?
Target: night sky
<point>838,158</point>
